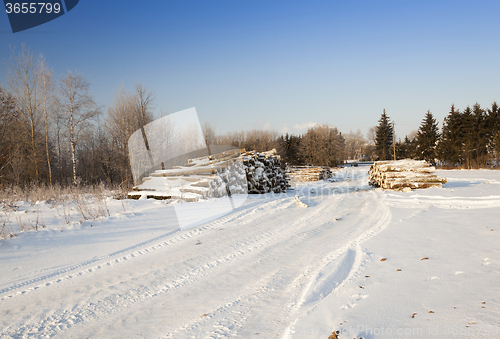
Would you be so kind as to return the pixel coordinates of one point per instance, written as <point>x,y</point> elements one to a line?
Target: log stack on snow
<point>222,174</point>
<point>404,175</point>
<point>325,174</point>
<point>300,174</point>
<point>264,172</point>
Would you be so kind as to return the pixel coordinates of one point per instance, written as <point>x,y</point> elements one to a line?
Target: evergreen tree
<point>494,127</point>
<point>467,136</point>
<point>427,139</point>
<point>450,145</point>
<point>400,149</point>
<point>481,135</point>
<point>383,138</point>
<point>406,148</point>
<point>290,145</point>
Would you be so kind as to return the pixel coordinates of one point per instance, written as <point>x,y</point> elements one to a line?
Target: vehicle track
<point>251,213</point>
<point>254,270</point>
<point>262,209</point>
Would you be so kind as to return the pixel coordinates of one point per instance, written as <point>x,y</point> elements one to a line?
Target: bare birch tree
<point>209,135</point>
<point>24,80</point>
<point>47,88</point>
<point>60,140</point>
<point>78,108</point>
<point>355,144</point>
<point>145,102</point>
<point>129,112</point>
<point>122,120</point>
<point>9,139</point>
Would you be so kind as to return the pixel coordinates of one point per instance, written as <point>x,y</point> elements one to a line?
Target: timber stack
<point>264,173</point>
<point>404,175</point>
<point>217,175</point>
<point>300,174</point>
<point>325,174</point>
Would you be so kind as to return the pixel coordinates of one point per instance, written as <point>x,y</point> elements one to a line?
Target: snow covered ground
<point>346,257</point>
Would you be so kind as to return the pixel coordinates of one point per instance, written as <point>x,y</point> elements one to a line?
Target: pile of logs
<point>218,175</point>
<point>404,175</point>
<point>300,174</point>
<point>228,180</point>
<point>264,172</point>
<point>325,174</point>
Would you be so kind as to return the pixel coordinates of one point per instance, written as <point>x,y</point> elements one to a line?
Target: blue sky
<point>282,65</point>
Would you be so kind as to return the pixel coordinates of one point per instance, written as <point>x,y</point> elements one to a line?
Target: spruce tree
<point>400,149</point>
<point>468,138</point>
<point>494,127</point>
<point>450,145</point>
<point>481,135</point>
<point>427,139</point>
<point>408,148</point>
<point>383,138</point>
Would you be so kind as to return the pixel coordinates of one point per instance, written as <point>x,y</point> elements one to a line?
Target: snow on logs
<point>404,175</point>
<point>300,174</point>
<point>226,173</point>
<point>264,173</point>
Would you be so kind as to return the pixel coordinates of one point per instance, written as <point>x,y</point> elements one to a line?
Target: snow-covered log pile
<point>325,174</point>
<point>404,174</point>
<point>226,173</point>
<point>264,172</point>
<point>309,173</point>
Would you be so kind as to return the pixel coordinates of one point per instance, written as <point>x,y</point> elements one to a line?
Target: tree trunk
<point>47,136</point>
<point>47,149</point>
<point>33,147</point>
<point>72,142</point>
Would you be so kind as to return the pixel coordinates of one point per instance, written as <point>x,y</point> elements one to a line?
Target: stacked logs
<point>404,175</point>
<point>264,173</point>
<point>218,175</point>
<point>325,174</point>
<point>228,180</point>
<point>300,174</point>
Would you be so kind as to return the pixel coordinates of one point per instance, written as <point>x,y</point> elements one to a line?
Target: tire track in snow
<point>349,268</point>
<point>258,291</point>
<point>252,213</point>
<point>265,290</point>
<point>62,319</point>
<point>252,243</point>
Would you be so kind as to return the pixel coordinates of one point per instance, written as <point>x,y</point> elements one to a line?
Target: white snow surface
<point>296,265</point>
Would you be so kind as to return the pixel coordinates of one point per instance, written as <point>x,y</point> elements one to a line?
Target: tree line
<point>468,139</point>
<point>321,145</point>
<point>52,131</point>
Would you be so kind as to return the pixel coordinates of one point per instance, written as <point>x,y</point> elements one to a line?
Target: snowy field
<point>346,257</point>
